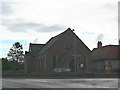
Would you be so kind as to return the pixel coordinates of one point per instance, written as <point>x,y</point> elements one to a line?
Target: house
<point>62,53</point>
<point>106,58</point>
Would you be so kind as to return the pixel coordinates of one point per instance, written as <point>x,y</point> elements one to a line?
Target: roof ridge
<point>105,47</point>
<point>36,44</point>
<point>58,34</point>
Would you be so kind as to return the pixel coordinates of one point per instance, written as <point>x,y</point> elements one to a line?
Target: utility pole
<point>75,54</point>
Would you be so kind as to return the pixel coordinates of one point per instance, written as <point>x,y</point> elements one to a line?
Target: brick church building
<point>62,53</point>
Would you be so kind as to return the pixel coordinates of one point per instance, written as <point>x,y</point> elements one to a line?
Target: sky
<point>36,21</point>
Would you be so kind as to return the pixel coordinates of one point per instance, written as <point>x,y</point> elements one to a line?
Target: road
<point>60,83</point>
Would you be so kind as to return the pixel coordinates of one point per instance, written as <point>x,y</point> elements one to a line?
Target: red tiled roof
<point>108,52</point>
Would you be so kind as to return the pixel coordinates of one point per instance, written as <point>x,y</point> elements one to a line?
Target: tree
<point>16,53</point>
<point>10,67</point>
<point>5,64</point>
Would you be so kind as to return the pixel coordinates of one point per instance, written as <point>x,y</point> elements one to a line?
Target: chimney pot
<point>99,44</point>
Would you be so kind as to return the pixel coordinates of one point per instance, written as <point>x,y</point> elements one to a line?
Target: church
<point>65,52</point>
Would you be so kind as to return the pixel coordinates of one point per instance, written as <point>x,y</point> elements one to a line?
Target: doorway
<point>72,65</point>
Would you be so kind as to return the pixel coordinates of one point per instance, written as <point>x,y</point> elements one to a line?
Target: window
<point>109,63</point>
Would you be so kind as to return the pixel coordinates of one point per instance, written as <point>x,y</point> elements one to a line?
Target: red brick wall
<point>64,55</point>
<point>58,48</point>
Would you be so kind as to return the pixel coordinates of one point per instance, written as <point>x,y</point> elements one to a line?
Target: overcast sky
<point>37,21</point>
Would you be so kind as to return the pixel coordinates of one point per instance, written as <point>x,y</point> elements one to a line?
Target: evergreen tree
<point>16,53</point>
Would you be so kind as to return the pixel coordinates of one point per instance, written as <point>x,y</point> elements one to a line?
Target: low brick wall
<point>59,75</point>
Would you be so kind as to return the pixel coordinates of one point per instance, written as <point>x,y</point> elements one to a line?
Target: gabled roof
<point>45,47</point>
<point>51,42</point>
<point>35,48</point>
<point>109,52</point>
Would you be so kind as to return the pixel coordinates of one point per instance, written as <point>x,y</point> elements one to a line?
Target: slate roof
<point>35,48</point>
<point>38,49</point>
<point>109,52</point>
<point>51,42</point>
<point>45,47</point>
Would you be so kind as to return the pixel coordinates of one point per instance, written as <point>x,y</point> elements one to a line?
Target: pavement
<point>61,83</point>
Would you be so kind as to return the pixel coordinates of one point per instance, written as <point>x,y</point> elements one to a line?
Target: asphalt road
<point>60,83</point>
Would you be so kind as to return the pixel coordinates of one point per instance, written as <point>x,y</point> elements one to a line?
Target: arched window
<point>54,61</point>
<point>72,65</point>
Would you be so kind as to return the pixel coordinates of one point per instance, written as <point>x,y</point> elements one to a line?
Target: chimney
<point>99,44</point>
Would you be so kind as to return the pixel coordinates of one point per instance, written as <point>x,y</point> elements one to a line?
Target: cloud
<point>119,12</point>
<point>19,25</point>
<point>6,8</point>
<point>5,46</point>
<point>53,28</point>
<point>110,6</point>
<point>100,37</point>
